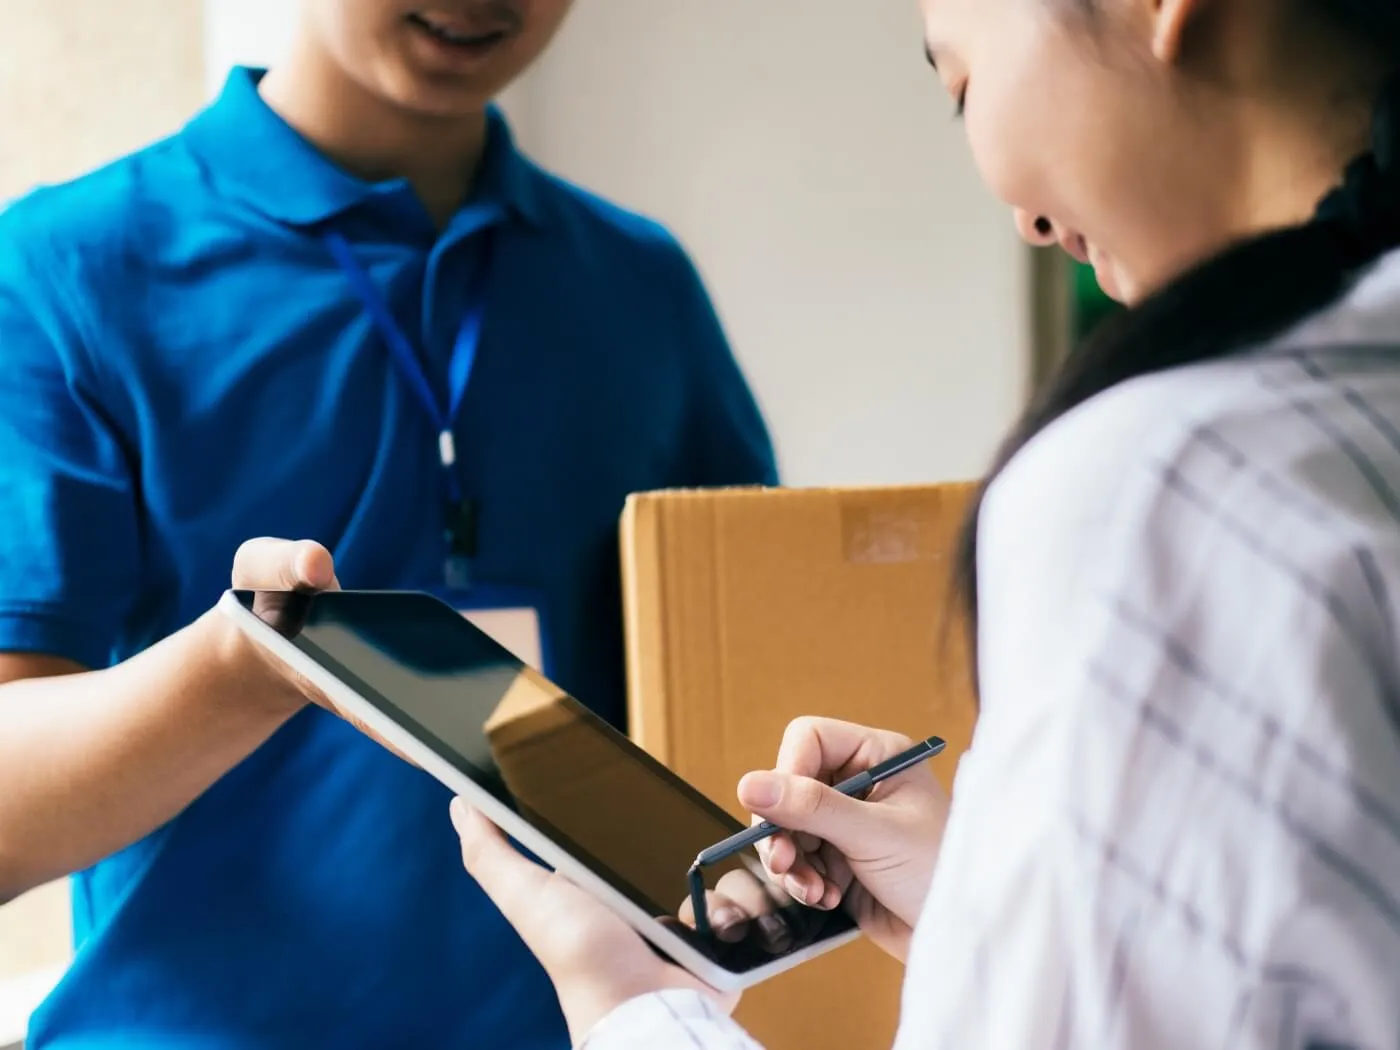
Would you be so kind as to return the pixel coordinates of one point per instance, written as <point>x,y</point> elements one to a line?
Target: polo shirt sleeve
<point>69,551</point>
<point>729,443</point>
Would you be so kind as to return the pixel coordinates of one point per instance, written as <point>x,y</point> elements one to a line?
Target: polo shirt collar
<point>254,155</point>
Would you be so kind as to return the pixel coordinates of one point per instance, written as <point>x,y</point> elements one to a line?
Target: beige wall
<point>876,293</point>
<point>84,81</point>
<point>35,931</point>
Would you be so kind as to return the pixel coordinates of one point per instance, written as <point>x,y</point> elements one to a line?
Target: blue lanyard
<point>441,412</point>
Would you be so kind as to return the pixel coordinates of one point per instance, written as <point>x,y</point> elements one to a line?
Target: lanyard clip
<point>447,448</point>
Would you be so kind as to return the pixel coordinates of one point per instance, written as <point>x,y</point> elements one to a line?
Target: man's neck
<point>371,137</point>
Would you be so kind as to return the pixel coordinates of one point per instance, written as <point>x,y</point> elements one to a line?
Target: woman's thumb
<point>803,804</point>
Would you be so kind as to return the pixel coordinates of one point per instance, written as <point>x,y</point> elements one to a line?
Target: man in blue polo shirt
<point>341,305</point>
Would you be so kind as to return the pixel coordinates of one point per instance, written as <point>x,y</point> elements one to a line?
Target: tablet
<point>558,779</point>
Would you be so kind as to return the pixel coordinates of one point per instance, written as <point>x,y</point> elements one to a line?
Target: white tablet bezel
<point>348,699</point>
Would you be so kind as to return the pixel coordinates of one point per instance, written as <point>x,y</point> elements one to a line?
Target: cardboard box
<point>746,608</point>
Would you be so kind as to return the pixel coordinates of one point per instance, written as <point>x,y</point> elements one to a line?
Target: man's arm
<point>16,667</point>
<point>91,761</point>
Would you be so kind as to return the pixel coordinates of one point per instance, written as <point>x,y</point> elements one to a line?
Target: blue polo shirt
<point>186,366</point>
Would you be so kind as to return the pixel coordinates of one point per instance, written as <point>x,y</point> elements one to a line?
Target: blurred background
<point>887,315</point>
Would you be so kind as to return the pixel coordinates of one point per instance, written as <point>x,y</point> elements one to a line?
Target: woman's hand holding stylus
<point>874,857</point>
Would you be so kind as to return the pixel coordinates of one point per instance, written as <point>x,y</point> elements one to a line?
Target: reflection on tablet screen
<point>545,756</point>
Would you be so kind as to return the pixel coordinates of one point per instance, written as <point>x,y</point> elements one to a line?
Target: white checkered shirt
<point>1179,822</point>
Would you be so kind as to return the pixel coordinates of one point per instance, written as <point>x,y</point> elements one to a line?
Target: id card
<point>511,617</point>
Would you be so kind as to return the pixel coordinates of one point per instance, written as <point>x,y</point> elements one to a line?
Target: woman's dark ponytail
<point>1248,293</point>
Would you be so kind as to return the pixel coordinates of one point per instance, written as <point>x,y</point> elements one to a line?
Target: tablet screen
<point>577,780</point>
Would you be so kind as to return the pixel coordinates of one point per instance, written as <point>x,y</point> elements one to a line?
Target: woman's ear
<point>1171,20</point>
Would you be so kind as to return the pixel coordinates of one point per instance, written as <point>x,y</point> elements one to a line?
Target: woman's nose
<point>1035,230</point>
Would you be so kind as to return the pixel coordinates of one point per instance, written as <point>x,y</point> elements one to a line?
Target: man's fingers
<point>283,565</point>
<point>282,572</point>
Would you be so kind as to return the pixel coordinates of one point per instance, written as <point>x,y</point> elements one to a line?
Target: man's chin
<point>435,100</point>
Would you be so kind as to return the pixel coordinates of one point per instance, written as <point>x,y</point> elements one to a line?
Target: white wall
<point>244,32</point>
<point>84,81</point>
<point>876,295</point>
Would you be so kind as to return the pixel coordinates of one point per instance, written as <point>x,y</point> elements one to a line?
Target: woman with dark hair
<point>1179,822</point>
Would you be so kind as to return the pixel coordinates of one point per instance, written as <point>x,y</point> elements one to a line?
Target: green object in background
<point>1090,305</point>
